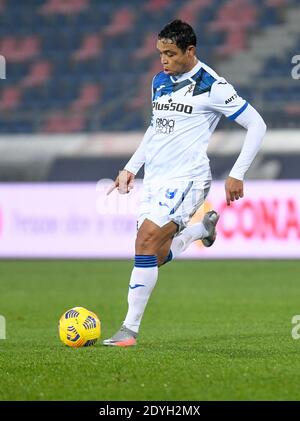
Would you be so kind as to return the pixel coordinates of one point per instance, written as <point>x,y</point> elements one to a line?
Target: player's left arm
<point>252,121</point>
<point>225,99</point>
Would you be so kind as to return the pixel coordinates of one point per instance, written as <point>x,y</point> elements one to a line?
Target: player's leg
<point>205,231</point>
<point>150,239</point>
<point>161,215</point>
<point>165,254</point>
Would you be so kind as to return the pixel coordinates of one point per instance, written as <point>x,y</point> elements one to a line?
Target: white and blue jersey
<point>185,112</point>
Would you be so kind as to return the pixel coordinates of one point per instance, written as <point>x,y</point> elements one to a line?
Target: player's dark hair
<point>180,33</point>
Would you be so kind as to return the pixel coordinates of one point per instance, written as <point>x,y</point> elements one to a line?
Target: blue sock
<point>143,279</point>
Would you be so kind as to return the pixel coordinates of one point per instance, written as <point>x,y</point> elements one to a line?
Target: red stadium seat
<point>2,5</point>
<point>90,48</point>
<point>143,96</point>
<point>235,14</point>
<point>65,7</point>
<point>17,49</point>
<point>292,109</point>
<point>10,98</point>
<point>235,41</point>
<point>235,18</point>
<point>148,48</point>
<point>38,74</point>
<point>155,6</point>
<point>89,95</point>
<point>276,3</point>
<point>190,10</point>
<point>59,123</point>
<point>122,22</point>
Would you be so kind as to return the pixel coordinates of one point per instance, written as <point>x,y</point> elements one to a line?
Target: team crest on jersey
<point>190,89</point>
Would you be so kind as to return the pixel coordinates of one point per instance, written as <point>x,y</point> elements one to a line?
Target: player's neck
<point>193,64</point>
<point>190,71</point>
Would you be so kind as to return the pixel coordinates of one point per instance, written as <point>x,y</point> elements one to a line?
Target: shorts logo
<point>170,194</point>
<point>163,204</point>
<point>164,126</point>
<point>135,286</point>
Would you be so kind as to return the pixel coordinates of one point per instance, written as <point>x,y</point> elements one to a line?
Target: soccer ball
<point>79,327</point>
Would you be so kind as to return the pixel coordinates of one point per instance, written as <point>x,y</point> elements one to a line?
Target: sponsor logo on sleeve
<point>232,98</point>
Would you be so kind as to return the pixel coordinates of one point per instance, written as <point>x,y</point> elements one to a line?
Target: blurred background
<point>75,102</point>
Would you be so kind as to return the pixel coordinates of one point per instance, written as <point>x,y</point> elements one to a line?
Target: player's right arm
<point>125,180</point>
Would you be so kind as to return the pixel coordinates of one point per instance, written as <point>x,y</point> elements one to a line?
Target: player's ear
<point>190,50</point>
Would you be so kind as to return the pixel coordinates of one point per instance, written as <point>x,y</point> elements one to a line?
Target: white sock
<point>187,236</point>
<point>143,279</point>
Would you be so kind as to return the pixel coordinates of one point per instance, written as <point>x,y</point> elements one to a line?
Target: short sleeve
<point>224,99</point>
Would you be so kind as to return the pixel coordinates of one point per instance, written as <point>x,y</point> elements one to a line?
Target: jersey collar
<point>187,75</point>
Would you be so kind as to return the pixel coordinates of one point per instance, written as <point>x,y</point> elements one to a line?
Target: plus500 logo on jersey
<point>173,106</point>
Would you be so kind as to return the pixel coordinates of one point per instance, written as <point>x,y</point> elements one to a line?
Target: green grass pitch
<point>213,330</point>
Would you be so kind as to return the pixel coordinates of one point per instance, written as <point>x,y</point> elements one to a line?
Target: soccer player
<point>188,100</point>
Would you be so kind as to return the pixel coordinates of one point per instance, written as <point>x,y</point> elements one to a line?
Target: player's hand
<point>124,182</point>
<point>234,189</point>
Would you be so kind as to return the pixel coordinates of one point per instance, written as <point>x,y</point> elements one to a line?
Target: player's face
<point>173,59</point>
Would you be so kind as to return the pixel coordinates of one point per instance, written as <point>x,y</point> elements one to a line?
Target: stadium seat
<point>2,6</point>
<point>38,74</point>
<point>123,21</point>
<point>90,48</point>
<point>67,7</point>
<point>10,98</point>
<point>148,49</point>
<point>155,6</point>
<point>235,41</point>
<point>19,49</point>
<point>191,9</point>
<point>59,123</point>
<point>98,58</point>
<point>89,95</point>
